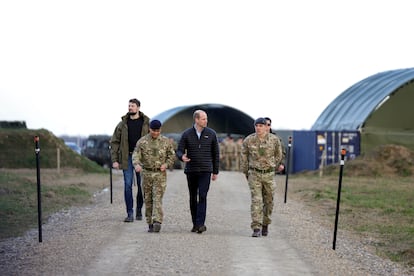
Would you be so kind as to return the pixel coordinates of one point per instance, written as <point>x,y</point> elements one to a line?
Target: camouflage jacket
<point>262,154</point>
<point>152,153</point>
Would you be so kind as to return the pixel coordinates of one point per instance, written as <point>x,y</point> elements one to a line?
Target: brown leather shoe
<point>265,230</point>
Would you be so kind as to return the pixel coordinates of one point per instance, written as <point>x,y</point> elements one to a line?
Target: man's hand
<point>185,158</point>
<point>138,168</point>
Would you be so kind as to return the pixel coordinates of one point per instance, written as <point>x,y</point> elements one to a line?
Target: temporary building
<point>223,119</point>
<point>380,107</point>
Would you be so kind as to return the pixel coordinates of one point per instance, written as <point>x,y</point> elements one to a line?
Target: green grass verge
<point>379,208</point>
<point>19,203</point>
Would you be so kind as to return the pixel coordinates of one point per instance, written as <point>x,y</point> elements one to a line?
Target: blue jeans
<point>128,181</point>
<point>198,186</point>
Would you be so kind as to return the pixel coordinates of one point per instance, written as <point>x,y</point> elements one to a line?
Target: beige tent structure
<point>380,107</point>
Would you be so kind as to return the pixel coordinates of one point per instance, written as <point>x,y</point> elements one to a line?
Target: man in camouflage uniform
<point>239,145</point>
<point>174,144</point>
<point>230,153</point>
<point>281,167</point>
<point>222,148</point>
<point>261,155</point>
<point>153,155</point>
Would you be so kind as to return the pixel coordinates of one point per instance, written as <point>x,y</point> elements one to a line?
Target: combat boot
<point>256,233</point>
<point>265,230</point>
<point>157,226</point>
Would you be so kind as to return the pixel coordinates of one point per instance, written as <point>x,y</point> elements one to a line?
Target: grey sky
<point>72,66</point>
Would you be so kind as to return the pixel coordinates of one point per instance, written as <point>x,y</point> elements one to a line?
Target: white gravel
<point>94,240</point>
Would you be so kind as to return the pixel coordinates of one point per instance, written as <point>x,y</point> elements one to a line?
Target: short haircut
<point>135,101</point>
<point>197,113</point>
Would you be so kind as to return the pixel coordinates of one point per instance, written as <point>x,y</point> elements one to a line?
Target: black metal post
<point>343,152</point>
<point>110,181</point>
<point>110,171</point>
<point>287,166</point>
<point>39,197</point>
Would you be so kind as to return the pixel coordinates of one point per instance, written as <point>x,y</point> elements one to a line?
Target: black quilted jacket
<point>204,152</point>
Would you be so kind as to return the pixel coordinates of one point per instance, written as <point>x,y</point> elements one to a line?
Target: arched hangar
<point>223,119</point>
<point>380,107</point>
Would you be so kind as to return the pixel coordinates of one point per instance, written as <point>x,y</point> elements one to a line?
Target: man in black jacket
<point>199,149</point>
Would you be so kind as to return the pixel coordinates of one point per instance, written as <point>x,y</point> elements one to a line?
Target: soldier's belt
<point>263,171</point>
<point>153,169</point>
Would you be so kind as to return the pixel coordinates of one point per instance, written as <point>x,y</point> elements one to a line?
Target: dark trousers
<point>198,186</point>
<point>140,195</point>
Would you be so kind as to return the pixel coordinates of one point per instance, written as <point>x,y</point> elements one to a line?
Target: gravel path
<point>94,240</point>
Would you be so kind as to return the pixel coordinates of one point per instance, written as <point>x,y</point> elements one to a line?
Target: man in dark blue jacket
<point>199,149</point>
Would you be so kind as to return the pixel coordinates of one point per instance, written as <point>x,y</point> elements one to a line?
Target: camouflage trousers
<point>229,161</point>
<point>262,188</point>
<point>154,185</point>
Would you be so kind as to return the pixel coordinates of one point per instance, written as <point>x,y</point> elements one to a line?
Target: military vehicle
<point>97,149</point>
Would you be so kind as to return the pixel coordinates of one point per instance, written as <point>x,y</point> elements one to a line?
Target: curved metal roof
<point>222,118</point>
<point>350,110</point>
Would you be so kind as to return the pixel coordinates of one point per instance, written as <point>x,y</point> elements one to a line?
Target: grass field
<point>379,208</point>
<point>18,195</point>
<point>61,186</point>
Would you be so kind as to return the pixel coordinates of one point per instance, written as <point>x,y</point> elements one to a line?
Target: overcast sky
<point>71,66</point>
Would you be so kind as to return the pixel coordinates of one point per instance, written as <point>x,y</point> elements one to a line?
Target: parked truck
<point>96,148</point>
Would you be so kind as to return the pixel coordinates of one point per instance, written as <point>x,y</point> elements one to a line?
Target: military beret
<point>260,121</point>
<point>155,124</point>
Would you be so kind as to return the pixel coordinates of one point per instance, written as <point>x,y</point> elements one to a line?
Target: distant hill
<point>17,150</point>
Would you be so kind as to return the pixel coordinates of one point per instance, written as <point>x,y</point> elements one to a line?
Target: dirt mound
<point>391,160</point>
<point>385,160</point>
